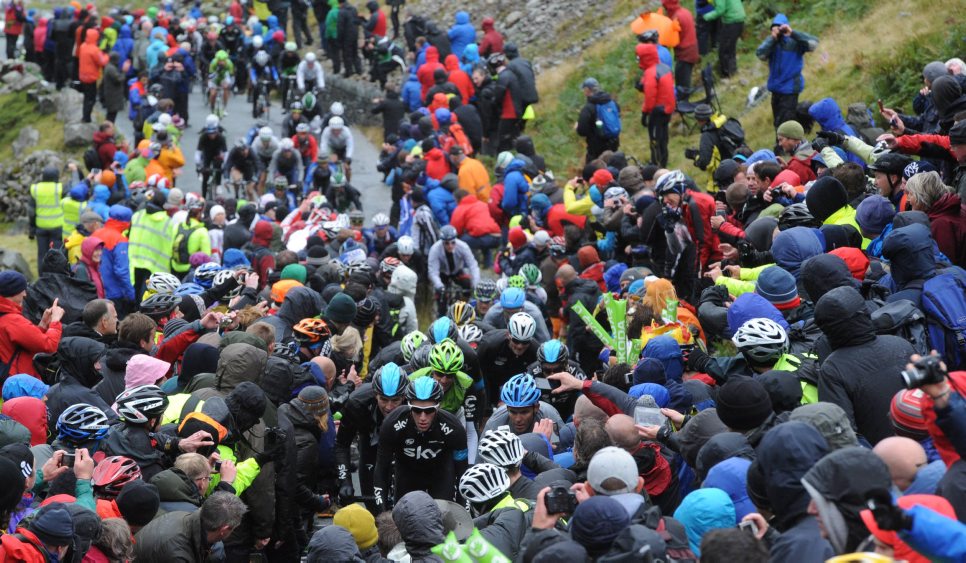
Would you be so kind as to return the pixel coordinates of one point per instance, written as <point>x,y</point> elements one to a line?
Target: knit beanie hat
<point>192,307</point>
<point>138,502</point>
<point>934,70</point>
<point>119,213</point>
<point>905,411</point>
<point>587,256</point>
<point>20,454</point>
<point>517,238</point>
<point>295,272</point>
<point>12,478</point>
<point>778,286</point>
<point>341,309</point>
<point>957,135</point>
<point>873,214</point>
<point>315,256</point>
<point>743,403</point>
<point>826,196</point>
<point>596,522</point>
<point>198,258</point>
<point>215,211</point>
<point>53,525</point>
<point>11,283</point>
<point>360,524</point>
<point>791,130</point>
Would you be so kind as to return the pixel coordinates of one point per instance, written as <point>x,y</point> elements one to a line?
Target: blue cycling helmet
<point>441,329</point>
<point>520,391</point>
<point>189,289</point>
<point>512,298</point>
<point>205,274</point>
<point>424,389</point>
<point>389,381</point>
<point>553,352</point>
<point>82,423</point>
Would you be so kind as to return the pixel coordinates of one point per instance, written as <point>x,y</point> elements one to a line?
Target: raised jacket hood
<point>300,303</point>
<point>432,55</point>
<point>462,17</point>
<point>515,165</point>
<point>404,282</point>
<point>420,522</point>
<point>333,543</point>
<point>77,357</point>
<point>91,37</point>
<point>796,245</point>
<point>702,511</point>
<point>731,476</point>
<point>646,55</point>
<point>785,454</point>
<point>451,62</point>
<point>238,363</point>
<point>909,251</point>
<point>752,306</point>
<point>721,447</point>
<point>101,193</point>
<point>823,273</point>
<point>174,486</point>
<point>32,413</point>
<point>828,114</point>
<point>844,317</point>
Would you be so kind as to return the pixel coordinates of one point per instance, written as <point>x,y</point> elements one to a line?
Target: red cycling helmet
<point>112,473</point>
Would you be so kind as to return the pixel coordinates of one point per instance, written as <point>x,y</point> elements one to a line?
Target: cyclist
<point>243,167</point>
<point>221,76</point>
<point>264,146</point>
<point>312,336</point>
<point>507,352</point>
<point>210,154</point>
<point>461,313</point>
<point>405,250</point>
<point>514,300</point>
<point>337,140</point>
<point>421,447</point>
<point>309,75</point>
<point>553,356</point>
<point>210,47</point>
<point>286,162</point>
<point>336,109</point>
<point>294,119</point>
<point>504,449</point>
<point>380,236</point>
<point>362,416</point>
<point>288,62</point>
<point>487,489</point>
<point>483,296</point>
<point>342,195</point>
<point>451,261</point>
<point>262,71</point>
<point>522,409</point>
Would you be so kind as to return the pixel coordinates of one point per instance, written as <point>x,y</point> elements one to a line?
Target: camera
<point>925,371</point>
<point>218,466</point>
<point>560,500</point>
<point>776,193</point>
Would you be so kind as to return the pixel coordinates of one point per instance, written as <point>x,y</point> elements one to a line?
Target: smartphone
<point>95,171</point>
<point>649,416</point>
<point>749,526</point>
<point>881,107</point>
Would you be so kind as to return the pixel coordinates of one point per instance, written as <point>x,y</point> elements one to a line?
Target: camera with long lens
<point>560,500</point>
<point>925,371</point>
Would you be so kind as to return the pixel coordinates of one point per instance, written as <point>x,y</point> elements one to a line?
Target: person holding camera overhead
<point>784,51</point>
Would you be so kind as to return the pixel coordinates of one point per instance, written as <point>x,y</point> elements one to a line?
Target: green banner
<point>591,322</point>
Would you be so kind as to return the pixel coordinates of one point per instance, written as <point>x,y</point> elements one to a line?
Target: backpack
<point>610,120</point>
<point>859,118</point>
<point>732,137</point>
<point>181,242</point>
<point>944,303</point>
<point>91,159</point>
<point>903,319</point>
<point>459,136</point>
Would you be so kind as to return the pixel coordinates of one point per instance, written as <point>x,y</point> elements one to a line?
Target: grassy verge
<point>16,111</point>
<point>13,240</point>
<point>858,59</point>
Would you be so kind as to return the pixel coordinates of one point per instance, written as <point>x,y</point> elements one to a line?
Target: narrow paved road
<point>365,177</point>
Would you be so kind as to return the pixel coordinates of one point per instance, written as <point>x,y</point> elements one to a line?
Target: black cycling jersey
<point>360,417</point>
<point>501,363</point>
<point>432,461</point>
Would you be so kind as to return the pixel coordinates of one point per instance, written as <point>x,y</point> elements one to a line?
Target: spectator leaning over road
<point>784,51</point>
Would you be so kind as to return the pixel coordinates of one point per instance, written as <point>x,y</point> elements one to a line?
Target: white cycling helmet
<point>291,47</point>
<point>406,246</point>
<point>471,333</point>
<point>265,133</point>
<point>380,220</point>
<point>286,144</point>
<point>336,123</point>
<point>761,340</point>
<point>261,58</point>
<point>257,42</point>
<point>521,327</point>
<point>337,108</point>
<point>310,57</point>
<point>880,149</point>
<point>501,447</point>
<point>162,282</point>
<point>483,482</point>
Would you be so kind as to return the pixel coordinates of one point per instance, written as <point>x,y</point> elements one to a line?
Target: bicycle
<point>291,91</point>
<point>261,103</point>
<point>211,171</point>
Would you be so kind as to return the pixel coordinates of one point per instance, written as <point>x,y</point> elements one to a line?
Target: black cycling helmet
<point>424,389</point>
<point>160,305</point>
<point>553,352</point>
<point>139,404</point>
<point>797,215</point>
<point>891,163</point>
<point>390,381</point>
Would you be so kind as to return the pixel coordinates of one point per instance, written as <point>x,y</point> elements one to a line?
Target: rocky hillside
<point>549,32</point>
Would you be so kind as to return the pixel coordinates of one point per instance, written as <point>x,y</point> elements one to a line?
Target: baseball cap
<point>612,471</point>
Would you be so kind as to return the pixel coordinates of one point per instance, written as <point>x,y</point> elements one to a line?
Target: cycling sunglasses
<point>424,410</point>
<point>441,374</point>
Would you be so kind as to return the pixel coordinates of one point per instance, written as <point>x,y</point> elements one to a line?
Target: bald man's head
<point>904,456</point>
<point>586,410</point>
<point>328,368</point>
<point>566,274</point>
<point>622,432</point>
